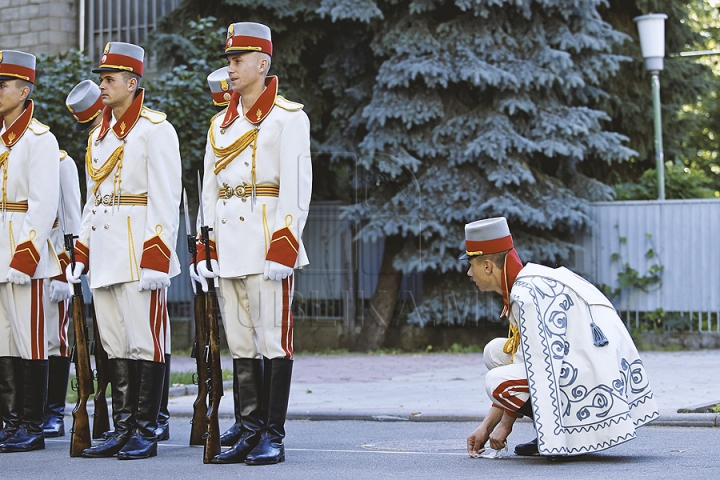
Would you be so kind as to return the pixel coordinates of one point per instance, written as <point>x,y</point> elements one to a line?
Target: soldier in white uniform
<point>256,196</point>
<point>127,244</point>
<point>56,295</point>
<point>29,159</point>
<point>85,104</point>
<point>57,290</point>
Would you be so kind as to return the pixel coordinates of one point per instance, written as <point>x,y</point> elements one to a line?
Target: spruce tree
<point>478,109</point>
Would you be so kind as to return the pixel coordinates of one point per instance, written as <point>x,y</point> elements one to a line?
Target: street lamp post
<point>651,29</point>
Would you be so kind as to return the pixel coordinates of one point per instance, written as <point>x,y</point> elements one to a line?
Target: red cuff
<point>26,258</point>
<point>156,255</point>
<point>64,260</point>
<point>201,251</point>
<point>284,248</point>
<point>82,255</point>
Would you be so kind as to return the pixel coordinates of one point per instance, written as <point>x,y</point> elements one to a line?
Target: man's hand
<point>203,270</point>
<point>276,271</point>
<point>498,437</point>
<point>59,291</point>
<point>72,275</point>
<point>196,277</point>
<point>476,441</point>
<point>153,279</point>
<point>17,277</point>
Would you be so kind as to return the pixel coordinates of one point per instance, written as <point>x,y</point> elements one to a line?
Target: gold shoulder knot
<point>153,115</point>
<point>38,128</point>
<point>63,155</point>
<point>286,104</point>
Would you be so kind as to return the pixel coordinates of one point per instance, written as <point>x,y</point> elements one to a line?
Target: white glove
<point>17,277</point>
<point>153,280</point>
<point>59,291</point>
<point>196,277</point>
<point>73,275</point>
<point>276,271</point>
<point>203,270</point>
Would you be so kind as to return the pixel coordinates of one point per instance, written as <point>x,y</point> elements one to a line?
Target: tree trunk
<point>384,300</point>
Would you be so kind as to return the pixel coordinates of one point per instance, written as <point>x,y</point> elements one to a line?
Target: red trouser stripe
<point>63,323</point>
<point>506,392</point>
<point>157,317</point>
<point>37,320</point>
<point>287,317</point>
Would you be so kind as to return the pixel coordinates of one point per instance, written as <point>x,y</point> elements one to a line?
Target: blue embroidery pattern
<point>575,407</point>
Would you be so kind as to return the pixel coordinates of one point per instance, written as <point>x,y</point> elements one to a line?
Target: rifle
<point>101,419</point>
<point>211,349</point>
<point>198,423</point>
<point>80,432</point>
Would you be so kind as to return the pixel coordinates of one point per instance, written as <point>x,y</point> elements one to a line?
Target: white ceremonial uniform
<point>68,221</point>
<point>130,221</point>
<point>248,231</point>
<point>29,156</point>
<point>579,367</point>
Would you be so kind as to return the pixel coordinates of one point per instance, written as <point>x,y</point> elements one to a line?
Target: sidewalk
<point>438,386</point>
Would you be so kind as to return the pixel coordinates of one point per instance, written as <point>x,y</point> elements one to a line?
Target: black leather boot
<point>11,395</point>
<point>143,443</point>
<point>270,449</point>
<point>58,373</point>
<point>124,387</point>
<point>232,435</point>
<point>29,435</point>
<point>248,377</point>
<point>162,432</point>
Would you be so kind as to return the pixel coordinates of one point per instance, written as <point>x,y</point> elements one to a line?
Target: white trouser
<point>257,316</point>
<point>506,382</point>
<point>22,321</point>
<point>56,325</point>
<point>132,324</point>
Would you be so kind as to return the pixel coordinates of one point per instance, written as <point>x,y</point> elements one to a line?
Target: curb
<point>711,420</point>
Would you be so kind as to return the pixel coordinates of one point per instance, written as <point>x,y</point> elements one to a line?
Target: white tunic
<point>121,237</point>
<point>32,177</point>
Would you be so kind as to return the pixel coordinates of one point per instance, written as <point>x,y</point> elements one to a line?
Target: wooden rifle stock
<point>101,419</point>
<point>214,381</point>
<point>199,420</point>
<point>80,432</point>
<point>211,352</point>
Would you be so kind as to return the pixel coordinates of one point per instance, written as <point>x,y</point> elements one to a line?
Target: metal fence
<point>679,237</point>
<point>337,284</point>
<point>128,21</point>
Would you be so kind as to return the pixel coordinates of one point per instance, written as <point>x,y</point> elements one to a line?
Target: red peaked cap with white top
<point>492,235</point>
<point>243,37</point>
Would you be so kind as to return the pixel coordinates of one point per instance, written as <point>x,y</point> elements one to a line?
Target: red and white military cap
<point>85,103</point>
<point>220,87</point>
<point>121,57</point>
<point>485,237</point>
<point>248,37</point>
<point>17,65</point>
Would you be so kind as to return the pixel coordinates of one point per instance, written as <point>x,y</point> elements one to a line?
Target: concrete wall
<point>38,26</point>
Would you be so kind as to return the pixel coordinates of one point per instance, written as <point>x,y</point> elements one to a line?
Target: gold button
<point>95,160</point>
<point>242,219</point>
<point>97,142</point>
<point>93,212</point>
<point>222,131</point>
<point>224,221</point>
<point>106,226</point>
<point>244,199</point>
<point>247,164</point>
<point>93,227</point>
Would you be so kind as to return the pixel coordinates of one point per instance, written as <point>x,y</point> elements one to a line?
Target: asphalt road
<point>377,450</point>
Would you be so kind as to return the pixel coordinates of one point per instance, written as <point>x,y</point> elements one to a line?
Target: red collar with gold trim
<point>260,109</point>
<point>15,131</point>
<point>511,269</point>
<point>124,124</point>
